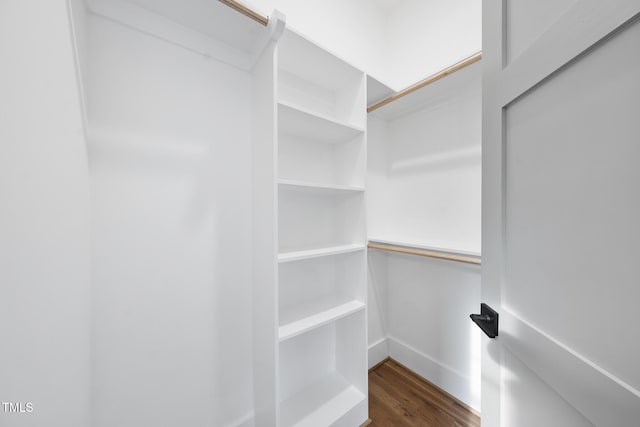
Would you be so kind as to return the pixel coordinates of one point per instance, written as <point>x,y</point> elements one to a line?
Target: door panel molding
<point>598,394</point>
<point>588,22</point>
<point>603,398</point>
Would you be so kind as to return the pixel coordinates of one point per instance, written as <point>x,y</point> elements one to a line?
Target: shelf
<point>320,252</point>
<point>314,285</point>
<point>310,76</point>
<point>209,28</point>
<point>310,181</point>
<point>302,57</point>
<point>321,404</point>
<point>337,165</point>
<point>299,122</point>
<point>321,187</point>
<point>309,323</point>
<point>315,220</point>
<point>323,374</point>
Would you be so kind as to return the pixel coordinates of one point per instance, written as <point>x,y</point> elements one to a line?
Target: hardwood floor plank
<point>436,395</point>
<point>398,407</point>
<point>418,409</point>
<point>455,406</point>
<point>399,397</point>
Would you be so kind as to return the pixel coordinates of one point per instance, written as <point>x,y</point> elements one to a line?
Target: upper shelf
<point>308,61</point>
<point>305,124</point>
<point>207,27</point>
<point>319,82</point>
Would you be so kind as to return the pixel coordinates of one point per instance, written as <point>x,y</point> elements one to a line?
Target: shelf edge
<point>317,253</point>
<point>317,186</point>
<point>319,116</point>
<point>298,327</point>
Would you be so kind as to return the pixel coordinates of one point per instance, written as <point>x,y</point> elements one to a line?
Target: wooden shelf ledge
<point>246,11</point>
<point>421,251</point>
<point>427,81</point>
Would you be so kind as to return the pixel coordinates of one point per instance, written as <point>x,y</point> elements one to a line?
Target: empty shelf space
<point>318,186</point>
<point>308,162</point>
<point>315,253</point>
<point>303,58</point>
<point>321,404</point>
<point>303,325</point>
<point>299,122</point>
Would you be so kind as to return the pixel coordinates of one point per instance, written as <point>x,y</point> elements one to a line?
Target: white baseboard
<point>445,377</point>
<point>378,351</point>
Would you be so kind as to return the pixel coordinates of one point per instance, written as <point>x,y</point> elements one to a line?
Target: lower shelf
<point>316,320</point>
<point>322,372</point>
<point>321,404</point>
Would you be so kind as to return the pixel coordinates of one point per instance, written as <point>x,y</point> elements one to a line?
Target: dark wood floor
<point>400,398</point>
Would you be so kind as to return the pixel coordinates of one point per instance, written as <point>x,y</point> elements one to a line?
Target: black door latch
<point>487,320</point>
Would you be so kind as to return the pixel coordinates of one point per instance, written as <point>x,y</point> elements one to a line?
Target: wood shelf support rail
<point>422,83</point>
<point>450,256</point>
<point>246,11</point>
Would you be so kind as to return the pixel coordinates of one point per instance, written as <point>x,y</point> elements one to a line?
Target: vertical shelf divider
<point>265,235</point>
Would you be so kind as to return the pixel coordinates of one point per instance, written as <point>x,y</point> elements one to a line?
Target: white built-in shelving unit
<point>310,255</point>
<point>321,237</point>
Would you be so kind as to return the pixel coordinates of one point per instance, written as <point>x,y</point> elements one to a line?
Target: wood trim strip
<point>450,256</point>
<point>246,11</point>
<point>366,423</point>
<point>422,83</point>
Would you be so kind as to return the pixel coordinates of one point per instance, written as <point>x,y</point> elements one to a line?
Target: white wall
<point>170,169</point>
<point>423,188</point>
<point>426,36</point>
<point>397,41</point>
<point>377,307</point>
<point>354,30</point>
<point>424,181</point>
<point>170,181</point>
<point>428,322</point>
<point>44,222</point>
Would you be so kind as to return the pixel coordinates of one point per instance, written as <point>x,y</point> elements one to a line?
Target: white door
<point>561,212</point>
